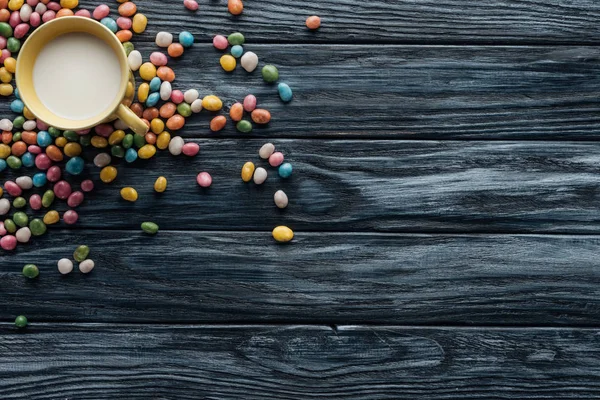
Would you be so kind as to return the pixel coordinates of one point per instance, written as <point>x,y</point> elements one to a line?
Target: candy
<point>260,116</point>
<point>235,7</point>
<point>276,159</point>
<point>236,112</point>
<point>190,149</point>
<point>10,225</point>
<point>236,39</point>
<point>313,22</point>
<point>75,166</point>
<point>135,60</point>
<point>244,126</point>
<point>65,266</point>
<point>184,109</point>
<point>129,194</point>
<point>20,31</point>
<point>281,199</point>
<point>51,217</point>
<point>25,12</point>
<point>190,96</point>
<point>69,3</point>
<point>108,174</point>
<point>219,41</point>
<point>186,39</point>
<point>19,202</point>
<point>177,96</point>
<point>40,179</point>
<point>218,123</point>
<point>237,51</point>
<point>247,171</point>
<point>163,39</point>
<point>31,271</point>
<point>8,242</point>
<point>196,106</point>
<point>175,148</point>
<point>191,4</point>
<point>20,218</point>
<point>62,190</point>
<point>163,140</point>
<point>70,217</point>
<point>48,198</point>
<point>147,71</point>
<point>6,125</point>
<point>37,227</point>
<point>270,73</point>
<point>23,235</point>
<point>139,23</point>
<point>102,160</point>
<point>266,150</point>
<point>149,227</point>
<point>283,234</point>
<point>21,321</point>
<point>147,151</point>
<point>127,9</point>
<point>124,23</point>
<point>152,99</point>
<point>42,162</point>
<point>175,50</point>
<point>176,122</point>
<point>124,35</point>
<point>166,74</point>
<point>161,184</point>
<point>12,188</point>
<point>131,155</point>
<point>204,179</point>
<point>285,92</point>
<point>87,185</point>
<point>212,103</point>
<point>285,170</point>
<point>110,24</point>
<point>100,12</point>
<point>158,59</point>
<point>86,266</point>
<point>75,199</point>
<point>24,182</point>
<point>249,103</point>
<point>260,175</point>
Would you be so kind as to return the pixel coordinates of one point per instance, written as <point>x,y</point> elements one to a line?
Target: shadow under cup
<point>32,48</point>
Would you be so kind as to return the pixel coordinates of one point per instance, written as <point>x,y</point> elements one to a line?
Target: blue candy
<point>44,139</point>
<point>28,160</point>
<point>285,92</point>
<point>2,165</point>
<point>152,99</point>
<point>131,155</point>
<point>75,166</point>
<point>17,94</point>
<point>110,24</point>
<point>186,39</point>
<point>285,170</point>
<point>17,106</point>
<point>155,84</point>
<point>39,179</point>
<point>237,51</point>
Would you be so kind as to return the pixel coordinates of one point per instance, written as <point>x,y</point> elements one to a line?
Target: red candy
<point>12,188</point>
<point>21,30</point>
<point>41,125</point>
<point>191,4</point>
<point>2,229</point>
<point>177,96</point>
<point>54,6</point>
<point>2,42</point>
<point>35,20</point>
<point>8,242</point>
<point>5,54</point>
<point>53,174</point>
<point>35,202</point>
<point>70,217</point>
<point>190,149</point>
<point>104,130</point>
<point>83,13</point>
<point>48,16</point>
<point>75,199</point>
<point>101,11</point>
<point>87,185</point>
<point>124,23</point>
<point>43,162</point>
<point>62,190</point>
<point>15,19</point>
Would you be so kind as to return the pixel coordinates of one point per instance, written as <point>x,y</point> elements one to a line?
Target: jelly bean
<point>25,12</point>
<point>131,155</point>
<point>250,103</point>
<point>204,179</point>
<point>64,12</point>
<point>65,266</point>
<point>176,122</point>
<point>177,96</point>
<point>127,141</point>
<point>40,179</point>
<point>129,194</point>
<point>149,227</point>
<point>70,217</point>
<point>176,146</point>
<point>4,206</point>
<point>270,73</point>
<point>108,174</point>
<point>29,125</point>
<point>12,188</point>
<point>190,149</point>
<point>29,137</point>
<point>41,125</point>
<point>228,62</point>
<point>283,234</point>
<point>139,23</point>
<point>20,218</point>
<point>10,225</point>
<point>190,96</point>
<point>165,91</point>
<point>236,112</point>
<point>43,162</point>
<point>237,51</point>
<point>220,42</point>
<point>48,16</point>
<point>2,229</point>
<point>51,218</point>
<point>24,182</point>
<point>244,126</point>
<point>87,185</point>
<point>35,202</point>
<point>127,9</point>
<point>23,235</point>
<point>41,8</point>
<point>186,39</point>
<point>212,103</point>
<point>116,137</point>
<point>175,50</point>
<point>285,170</point>
<point>17,106</point>
<point>124,35</point>
<point>260,175</point>
<point>218,123</point>
<point>260,116</point>
<point>280,199</point>
<point>124,23</point>
<point>139,141</point>
<point>153,99</point>
<point>19,147</point>
<point>19,202</point>
<point>157,125</point>
<point>53,174</point>
<point>37,227</point>
<point>104,130</point>
<point>191,5</point>
<point>313,22</point>
<point>14,20</point>
<point>236,39</point>
<point>11,66</point>
<point>100,12</point>
<point>247,171</point>
<point>99,142</point>
<point>75,199</point>
<point>48,198</point>
<point>147,151</point>
<point>285,92</point>
<point>235,7</point>
<point>6,89</point>
<point>163,140</point>
<point>117,151</point>
<point>163,39</point>
<point>21,321</point>
<point>147,71</point>
<point>110,24</point>
<point>75,166</point>
<point>20,31</point>
<point>33,149</point>
<point>8,242</point>
<point>72,149</point>
<point>86,266</point>
<point>44,139</point>
<point>184,109</point>
<point>5,76</point>
<point>150,113</point>
<point>159,59</point>
<point>166,74</point>
<point>5,30</point>
<point>62,190</point>
<point>196,106</point>
<point>135,60</point>
<point>83,13</point>
<point>4,55</point>
<point>69,3</point>
<point>276,159</point>
<point>160,185</point>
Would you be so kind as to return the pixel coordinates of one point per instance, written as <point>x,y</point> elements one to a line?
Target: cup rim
<point>121,56</point>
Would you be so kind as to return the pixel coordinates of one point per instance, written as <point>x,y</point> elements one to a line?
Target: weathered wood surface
<point>297,362</point>
<point>326,278</point>
<point>384,21</point>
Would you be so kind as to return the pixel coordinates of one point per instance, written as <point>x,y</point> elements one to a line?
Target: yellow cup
<point>26,62</point>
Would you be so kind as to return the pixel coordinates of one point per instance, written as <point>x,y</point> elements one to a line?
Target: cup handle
<point>133,121</point>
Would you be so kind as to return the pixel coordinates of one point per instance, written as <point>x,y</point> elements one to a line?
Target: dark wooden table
<point>445,199</point>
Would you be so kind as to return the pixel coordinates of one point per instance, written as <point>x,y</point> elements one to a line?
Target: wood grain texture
<point>383,21</point>
<point>291,362</point>
<point>326,278</point>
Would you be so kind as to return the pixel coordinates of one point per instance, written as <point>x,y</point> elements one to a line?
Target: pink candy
<point>12,188</point>
<point>54,6</point>
<point>190,4</point>
<point>83,13</point>
<point>177,96</point>
<point>276,159</point>
<point>34,149</point>
<point>5,54</point>
<point>2,229</point>
<point>250,103</point>
<point>159,59</point>
<point>53,174</point>
<point>43,162</point>
<point>21,30</point>
<point>35,202</point>
<point>75,199</point>
<point>8,242</point>
<point>35,20</point>
<point>104,130</point>
<point>15,19</point>
<point>33,3</point>
<point>124,23</point>
<point>70,217</point>
<point>41,125</point>
<point>204,179</point>
<point>101,11</point>
<point>220,42</point>
<point>48,16</point>
<point>62,190</point>
<point>83,132</point>
<point>87,185</point>
<point>190,149</point>
<point>2,42</point>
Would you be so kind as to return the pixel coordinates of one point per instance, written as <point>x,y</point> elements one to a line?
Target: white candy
<point>121,125</point>
<point>175,146</point>
<point>164,39</point>
<point>281,199</point>
<point>102,160</point>
<point>191,95</point>
<point>25,12</point>
<point>260,175</point>
<point>41,8</point>
<point>23,235</point>
<point>24,182</point>
<point>29,125</point>
<point>6,125</point>
<point>165,90</point>
<point>135,60</point>
<point>65,266</point>
<point>86,266</point>
<point>4,206</point>
<point>266,150</point>
<point>196,106</point>
<point>249,61</point>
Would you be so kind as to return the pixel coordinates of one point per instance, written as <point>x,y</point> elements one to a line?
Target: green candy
<point>150,228</point>
<point>117,151</point>
<point>20,218</point>
<point>54,132</point>
<point>31,271</point>
<point>85,140</point>
<point>139,141</point>
<point>5,30</point>
<point>19,202</point>
<point>270,73</point>
<point>17,136</point>
<point>48,198</point>
<point>14,162</point>
<point>13,44</point>
<point>10,225</point>
<point>18,122</point>
<point>37,227</point>
<point>244,126</point>
<point>184,109</point>
<point>236,39</point>
<point>128,47</point>
<point>21,321</point>
<point>71,136</point>
<point>81,253</point>
<point>127,141</point>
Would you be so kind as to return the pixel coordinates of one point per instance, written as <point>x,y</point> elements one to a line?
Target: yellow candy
<point>5,76</point>
<point>147,151</point>
<point>1,192</point>
<point>157,125</point>
<point>283,234</point>
<point>10,64</point>
<point>139,23</point>
<point>116,137</point>
<point>212,103</point>
<point>108,174</point>
<point>247,171</point>
<point>6,89</point>
<point>129,194</point>
<point>51,217</point>
<point>72,149</point>
<point>28,114</point>
<point>147,71</point>
<point>163,140</point>
<point>99,142</point>
<point>15,5</point>
<point>228,62</point>
<point>129,90</point>
<point>160,185</point>
<point>143,92</point>
<point>60,141</point>
<point>4,151</point>
<point>69,3</point>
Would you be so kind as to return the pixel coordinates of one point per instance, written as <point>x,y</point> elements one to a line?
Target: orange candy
<point>176,122</point>
<point>313,22</point>
<point>235,7</point>
<point>166,74</point>
<point>124,35</point>
<point>260,116</point>
<point>4,15</point>
<point>218,123</point>
<point>137,109</point>
<point>236,112</point>
<point>7,137</point>
<point>54,153</point>
<point>3,4</point>
<point>18,148</point>
<point>127,9</point>
<point>150,113</point>
<point>175,50</point>
<point>64,12</point>
<point>168,110</point>
<point>29,137</point>
<point>150,138</point>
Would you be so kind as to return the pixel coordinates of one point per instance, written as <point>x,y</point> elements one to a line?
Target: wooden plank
<point>407,92</point>
<point>349,21</point>
<point>296,362</point>
<point>326,278</point>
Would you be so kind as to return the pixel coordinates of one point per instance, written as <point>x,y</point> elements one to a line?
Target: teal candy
<point>44,139</point>
<point>75,166</point>
<point>237,51</point>
<point>39,179</point>
<point>110,24</point>
<point>18,96</point>
<point>285,170</point>
<point>152,99</point>
<point>155,84</point>
<point>27,160</point>
<point>131,155</point>
<point>17,106</point>
<point>285,92</point>
<point>186,39</point>
<point>3,165</point>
